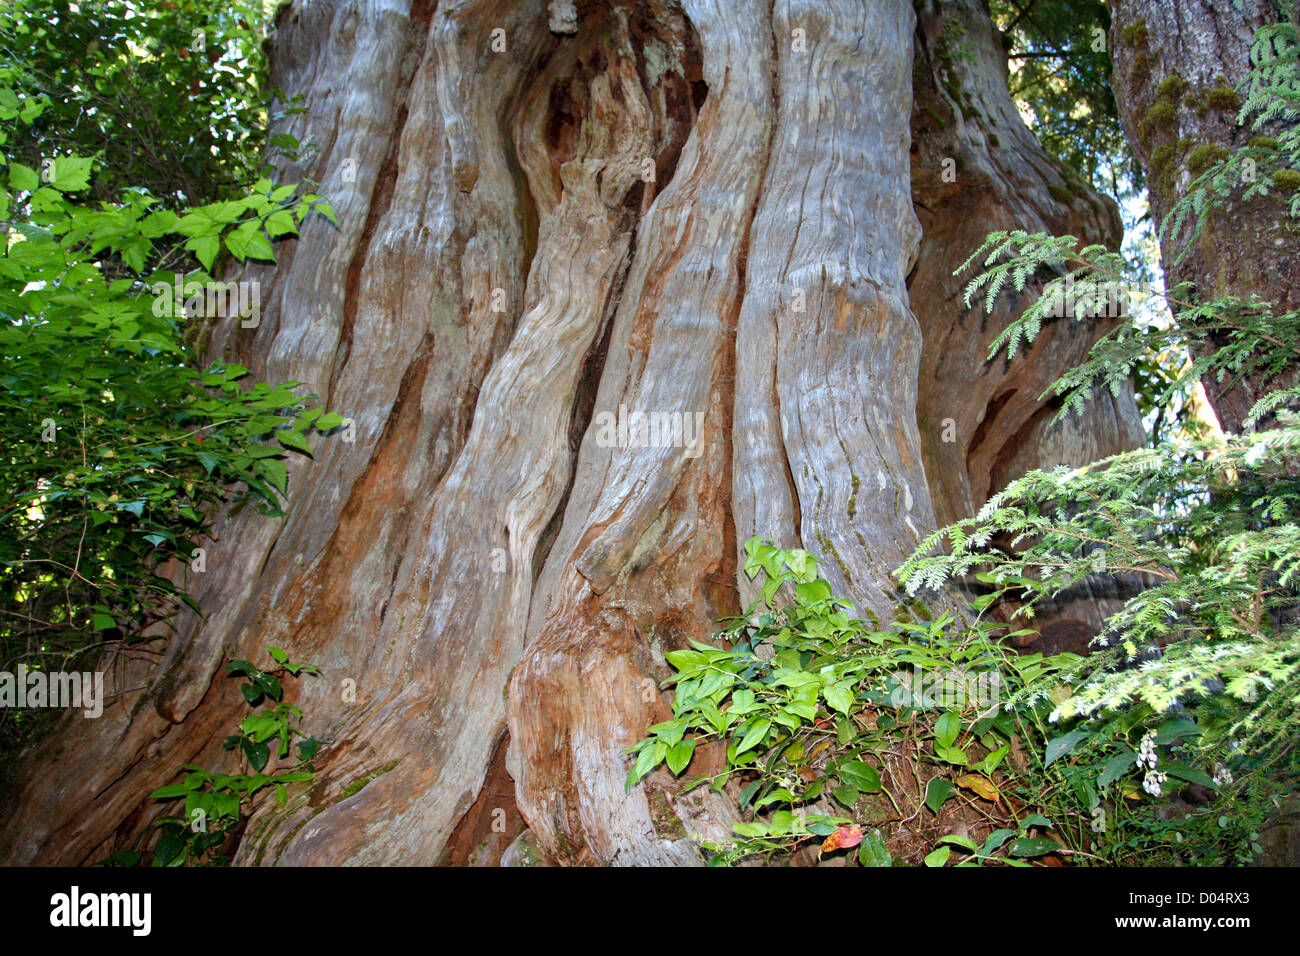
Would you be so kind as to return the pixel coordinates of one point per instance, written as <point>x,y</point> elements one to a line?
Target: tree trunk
<point>1176,66</point>
<point>553,221</point>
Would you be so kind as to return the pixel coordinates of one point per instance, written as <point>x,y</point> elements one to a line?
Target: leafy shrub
<point>834,727</point>
<point>215,802</point>
<point>117,445</point>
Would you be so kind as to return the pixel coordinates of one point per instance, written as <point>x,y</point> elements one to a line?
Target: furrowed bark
<point>560,223</point>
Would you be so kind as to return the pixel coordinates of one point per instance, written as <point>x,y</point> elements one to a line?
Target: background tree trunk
<point>550,220</point>
<point>1177,66</point>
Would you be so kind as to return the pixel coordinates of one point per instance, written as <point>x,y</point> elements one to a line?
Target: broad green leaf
<point>292,439</point>
<point>1058,747</point>
<point>938,857</point>
<point>872,852</point>
<point>859,775</point>
<point>1032,846</point>
<point>757,731</point>
<point>946,728</point>
<point>937,791</point>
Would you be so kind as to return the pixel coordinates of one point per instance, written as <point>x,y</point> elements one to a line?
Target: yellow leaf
<point>981,785</point>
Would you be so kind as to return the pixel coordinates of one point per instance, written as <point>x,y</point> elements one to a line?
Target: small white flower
<point>1222,776</point>
<point>1147,751</point>
<point>1153,781</point>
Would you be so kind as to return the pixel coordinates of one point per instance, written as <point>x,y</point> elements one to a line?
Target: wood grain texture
<point>552,217</point>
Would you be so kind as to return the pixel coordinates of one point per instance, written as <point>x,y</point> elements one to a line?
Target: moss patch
<point>1171,88</point>
<point>1204,156</point>
<point>356,786</point>
<point>1061,194</point>
<point>1223,98</point>
<point>1135,34</point>
<point>1288,180</point>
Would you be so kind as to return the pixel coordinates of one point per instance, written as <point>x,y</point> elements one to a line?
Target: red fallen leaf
<point>842,839</point>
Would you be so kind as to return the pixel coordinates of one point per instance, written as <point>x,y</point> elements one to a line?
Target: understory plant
<point>215,804</point>
<point>119,444</point>
<point>887,741</point>
<point>1200,537</point>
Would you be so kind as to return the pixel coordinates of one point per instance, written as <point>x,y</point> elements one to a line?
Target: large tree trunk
<point>551,220</point>
<point>1177,64</point>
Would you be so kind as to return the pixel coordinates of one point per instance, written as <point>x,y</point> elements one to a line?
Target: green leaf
<point>257,753</point>
<point>101,622</point>
<point>168,850</point>
<point>248,242</point>
<point>946,728</point>
<point>859,775</point>
<point>205,249</point>
<point>846,796</point>
<point>966,843</point>
<point>1058,747</point>
<point>308,749</point>
<point>1116,767</point>
<point>23,178</point>
<point>292,439</point>
<point>270,685</point>
<point>996,839</point>
<point>938,857</point>
<point>1032,846</point>
<point>679,755</point>
<point>1175,727</point>
<point>326,210</point>
<point>1182,771</point>
<point>71,174</point>
<point>170,791</point>
<point>275,472</point>
<point>757,731</point>
<point>937,791</point>
<point>872,852</point>
<point>209,462</point>
<point>280,223</point>
<point>840,695</point>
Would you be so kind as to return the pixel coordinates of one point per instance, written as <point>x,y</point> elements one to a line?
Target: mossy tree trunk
<point>705,211</point>
<point>1177,64</point>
